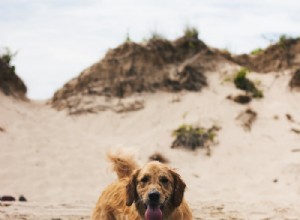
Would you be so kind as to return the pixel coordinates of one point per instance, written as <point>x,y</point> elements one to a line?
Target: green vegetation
<point>6,57</point>
<point>242,82</point>
<point>193,137</point>
<point>192,45</point>
<point>191,32</point>
<point>257,51</point>
<point>156,36</point>
<point>5,62</point>
<point>10,83</point>
<point>128,39</point>
<point>282,41</point>
<point>283,38</point>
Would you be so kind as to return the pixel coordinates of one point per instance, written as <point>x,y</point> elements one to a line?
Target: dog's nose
<point>154,196</point>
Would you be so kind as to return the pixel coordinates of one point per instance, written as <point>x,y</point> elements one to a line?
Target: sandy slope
<point>58,161</point>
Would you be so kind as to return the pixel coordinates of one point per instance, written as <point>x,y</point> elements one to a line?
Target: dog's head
<point>156,190</point>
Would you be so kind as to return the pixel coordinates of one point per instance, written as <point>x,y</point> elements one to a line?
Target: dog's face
<point>156,190</point>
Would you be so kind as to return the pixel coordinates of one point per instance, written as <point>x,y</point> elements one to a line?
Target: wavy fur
<point>116,201</point>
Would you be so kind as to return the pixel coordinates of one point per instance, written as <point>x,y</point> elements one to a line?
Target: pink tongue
<point>153,213</point>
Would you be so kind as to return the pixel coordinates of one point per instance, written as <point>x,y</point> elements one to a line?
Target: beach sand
<point>58,162</point>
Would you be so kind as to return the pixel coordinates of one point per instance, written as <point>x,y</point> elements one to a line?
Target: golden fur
<point>134,185</point>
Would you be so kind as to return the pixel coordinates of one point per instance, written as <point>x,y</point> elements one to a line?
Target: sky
<point>56,39</point>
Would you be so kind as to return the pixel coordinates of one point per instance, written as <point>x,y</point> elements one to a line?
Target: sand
<point>58,161</point>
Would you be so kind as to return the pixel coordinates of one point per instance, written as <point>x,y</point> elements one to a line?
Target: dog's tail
<point>123,165</point>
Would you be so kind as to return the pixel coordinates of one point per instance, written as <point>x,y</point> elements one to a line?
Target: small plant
<point>10,83</point>
<point>7,56</point>
<point>191,32</point>
<point>156,36</point>
<point>242,82</point>
<point>193,137</point>
<point>5,61</point>
<point>282,41</point>
<point>283,38</point>
<point>257,51</point>
<point>241,74</point>
<point>128,39</point>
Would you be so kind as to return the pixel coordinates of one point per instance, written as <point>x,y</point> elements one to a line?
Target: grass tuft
<point>156,36</point>
<point>193,137</point>
<point>256,51</point>
<point>191,32</point>
<point>242,82</point>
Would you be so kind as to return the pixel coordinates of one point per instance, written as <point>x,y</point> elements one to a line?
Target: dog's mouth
<point>153,212</point>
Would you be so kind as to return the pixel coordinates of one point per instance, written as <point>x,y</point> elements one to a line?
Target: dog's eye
<point>145,179</point>
<point>164,180</point>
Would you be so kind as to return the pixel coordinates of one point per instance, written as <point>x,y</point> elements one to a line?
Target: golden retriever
<point>155,190</point>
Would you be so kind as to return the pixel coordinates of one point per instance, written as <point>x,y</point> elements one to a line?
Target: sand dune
<point>58,161</point>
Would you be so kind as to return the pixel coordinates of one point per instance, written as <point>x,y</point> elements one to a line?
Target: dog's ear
<point>178,191</point>
<point>131,193</point>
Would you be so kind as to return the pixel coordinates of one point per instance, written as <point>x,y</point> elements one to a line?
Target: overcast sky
<point>57,39</point>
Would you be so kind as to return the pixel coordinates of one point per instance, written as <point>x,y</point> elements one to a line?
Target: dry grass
<point>193,137</point>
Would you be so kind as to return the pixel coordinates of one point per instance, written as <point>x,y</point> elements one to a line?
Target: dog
<point>153,192</point>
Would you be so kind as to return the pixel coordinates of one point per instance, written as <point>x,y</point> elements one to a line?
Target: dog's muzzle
<point>153,206</point>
